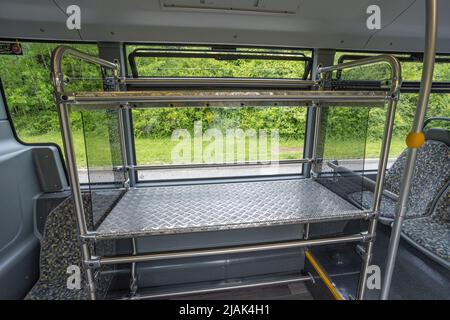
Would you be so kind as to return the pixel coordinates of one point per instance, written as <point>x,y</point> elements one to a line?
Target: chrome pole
<point>316,139</point>
<point>66,133</point>
<point>218,82</point>
<point>174,98</point>
<point>133,280</point>
<point>123,147</point>
<point>220,288</point>
<point>76,192</point>
<point>214,165</point>
<point>425,88</point>
<point>396,78</point>
<point>227,250</point>
<point>378,191</point>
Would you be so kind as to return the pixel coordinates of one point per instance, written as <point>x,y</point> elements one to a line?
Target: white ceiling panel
<point>286,23</point>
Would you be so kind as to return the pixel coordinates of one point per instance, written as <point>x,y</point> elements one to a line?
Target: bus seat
<point>438,134</point>
<point>431,234</point>
<point>431,173</point>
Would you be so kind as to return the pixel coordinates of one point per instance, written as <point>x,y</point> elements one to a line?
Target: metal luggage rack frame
<point>135,99</point>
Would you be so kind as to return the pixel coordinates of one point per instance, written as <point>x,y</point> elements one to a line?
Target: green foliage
<point>439,104</point>
<point>29,95</point>
<point>162,122</point>
<point>28,88</point>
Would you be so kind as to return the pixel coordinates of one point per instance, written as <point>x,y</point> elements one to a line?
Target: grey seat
<point>431,234</point>
<point>431,173</point>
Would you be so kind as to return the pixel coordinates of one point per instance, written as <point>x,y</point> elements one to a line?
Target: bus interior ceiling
<point>225,150</point>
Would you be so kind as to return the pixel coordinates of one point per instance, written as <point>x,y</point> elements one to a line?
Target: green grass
<point>158,150</point>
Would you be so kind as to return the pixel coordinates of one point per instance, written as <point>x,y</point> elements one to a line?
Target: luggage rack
<point>223,206</point>
<point>263,203</point>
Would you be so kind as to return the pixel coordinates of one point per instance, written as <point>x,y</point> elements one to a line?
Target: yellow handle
<point>415,140</point>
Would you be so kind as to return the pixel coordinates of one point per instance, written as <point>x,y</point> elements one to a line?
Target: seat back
<point>438,134</point>
<point>441,210</point>
<point>431,173</point>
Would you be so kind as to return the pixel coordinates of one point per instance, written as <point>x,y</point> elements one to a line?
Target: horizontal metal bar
<point>226,250</point>
<point>221,288</point>
<point>149,52</point>
<point>373,85</point>
<point>417,57</point>
<point>185,97</point>
<point>218,82</point>
<point>213,165</point>
<point>221,56</point>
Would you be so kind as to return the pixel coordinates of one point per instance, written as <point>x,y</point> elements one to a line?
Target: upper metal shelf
<point>186,98</point>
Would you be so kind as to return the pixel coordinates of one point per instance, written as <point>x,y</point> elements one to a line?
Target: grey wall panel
<point>226,267</point>
<point>19,248</point>
<point>19,268</point>
<point>201,240</point>
<point>219,267</point>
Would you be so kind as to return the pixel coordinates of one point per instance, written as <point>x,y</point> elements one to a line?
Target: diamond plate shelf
<point>237,205</point>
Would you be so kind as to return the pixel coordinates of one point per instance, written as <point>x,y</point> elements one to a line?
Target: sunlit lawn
<point>159,150</point>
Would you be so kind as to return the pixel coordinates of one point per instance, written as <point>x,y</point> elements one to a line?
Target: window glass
<point>439,105</point>
<point>248,138</point>
<point>29,93</point>
<point>255,67</point>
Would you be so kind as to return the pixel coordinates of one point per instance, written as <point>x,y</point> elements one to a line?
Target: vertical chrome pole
<point>133,280</point>
<point>66,133</point>
<point>416,133</point>
<point>316,138</point>
<point>306,229</point>
<point>124,148</point>
<point>382,164</point>
<point>320,57</point>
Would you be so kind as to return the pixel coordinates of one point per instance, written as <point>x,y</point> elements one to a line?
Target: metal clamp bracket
<point>367,237</point>
<point>89,237</point>
<point>93,263</point>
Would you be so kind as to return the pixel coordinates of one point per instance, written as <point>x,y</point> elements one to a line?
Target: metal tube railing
<point>394,63</point>
<point>224,287</point>
<point>228,250</point>
<point>425,88</point>
<point>378,191</point>
<point>61,51</point>
<point>170,99</point>
<point>66,133</point>
<point>218,82</point>
<point>64,99</point>
<point>317,118</point>
<point>396,81</point>
<point>216,165</point>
